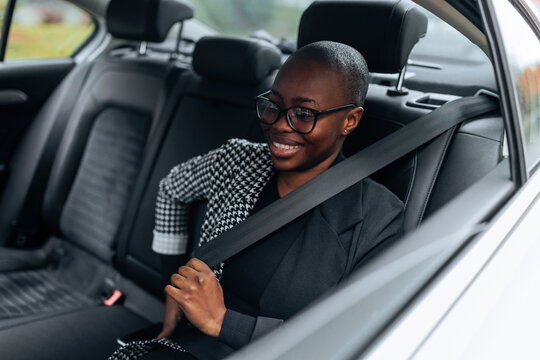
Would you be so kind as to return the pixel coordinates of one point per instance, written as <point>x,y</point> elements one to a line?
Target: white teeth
<point>285,147</point>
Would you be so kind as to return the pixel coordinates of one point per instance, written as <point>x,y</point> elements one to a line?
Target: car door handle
<point>12,97</point>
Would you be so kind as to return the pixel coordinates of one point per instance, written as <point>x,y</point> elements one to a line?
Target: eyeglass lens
<point>300,119</point>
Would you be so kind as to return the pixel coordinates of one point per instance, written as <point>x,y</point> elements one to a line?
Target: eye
<point>267,108</point>
<point>302,114</point>
<point>271,108</point>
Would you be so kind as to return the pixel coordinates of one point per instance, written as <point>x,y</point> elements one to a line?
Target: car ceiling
<point>463,15</point>
<point>469,9</point>
<point>96,7</point>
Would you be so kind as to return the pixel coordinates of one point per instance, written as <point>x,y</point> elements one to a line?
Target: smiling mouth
<point>284,151</point>
<point>281,146</point>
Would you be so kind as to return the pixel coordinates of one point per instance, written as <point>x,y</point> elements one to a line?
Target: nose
<point>281,124</point>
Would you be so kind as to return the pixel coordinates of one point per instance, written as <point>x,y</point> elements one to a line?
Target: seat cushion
<point>36,291</point>
<point>71,280</point>
<point>89,333</point>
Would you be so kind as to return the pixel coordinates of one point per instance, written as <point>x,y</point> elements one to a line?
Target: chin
<point>285,164</point>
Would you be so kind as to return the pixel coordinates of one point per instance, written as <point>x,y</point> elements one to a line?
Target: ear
<point>352,119</point>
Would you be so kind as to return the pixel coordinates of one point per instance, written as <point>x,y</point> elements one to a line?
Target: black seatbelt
<point>341,176</point>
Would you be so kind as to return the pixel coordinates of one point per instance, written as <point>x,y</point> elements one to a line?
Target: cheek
<point>323,139</point>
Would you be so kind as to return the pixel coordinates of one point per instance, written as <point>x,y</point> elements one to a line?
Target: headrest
<point>234,59</point>
<point>146,20</point>
<point>384,31</point>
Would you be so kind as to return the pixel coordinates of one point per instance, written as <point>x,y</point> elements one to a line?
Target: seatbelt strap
<point>341,176</point>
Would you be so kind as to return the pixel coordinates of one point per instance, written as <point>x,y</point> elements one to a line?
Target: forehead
<point>310,79</point>
<point>307,66</point>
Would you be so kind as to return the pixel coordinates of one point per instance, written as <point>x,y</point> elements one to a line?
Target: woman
<point>315,101</point>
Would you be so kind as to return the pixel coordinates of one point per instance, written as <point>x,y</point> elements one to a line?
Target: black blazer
<point>340,236</point>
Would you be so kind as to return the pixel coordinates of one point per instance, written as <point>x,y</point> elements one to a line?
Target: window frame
<point>508,96</point>
<point>6,26</point>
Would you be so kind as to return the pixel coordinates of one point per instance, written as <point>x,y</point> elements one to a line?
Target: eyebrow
<point>298,99</point>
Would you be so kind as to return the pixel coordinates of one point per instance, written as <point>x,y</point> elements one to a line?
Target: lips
<point>282,147</point>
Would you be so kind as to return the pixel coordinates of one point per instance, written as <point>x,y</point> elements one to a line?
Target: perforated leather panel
<point>105,179</point>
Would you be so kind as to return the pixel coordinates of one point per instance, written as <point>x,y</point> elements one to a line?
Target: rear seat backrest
<point>35,154</point>
<point>99,157</point>
<point>385,31</point>
<point>93,174</point>
<point>214,103</point>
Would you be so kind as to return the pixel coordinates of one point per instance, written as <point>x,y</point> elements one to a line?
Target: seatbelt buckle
<point>110,294</point>
<point>114,298</point>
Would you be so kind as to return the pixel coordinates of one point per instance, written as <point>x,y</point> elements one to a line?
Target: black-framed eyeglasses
<point>300,119</point>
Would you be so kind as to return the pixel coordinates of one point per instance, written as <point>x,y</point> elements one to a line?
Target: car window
<point>3,4</point>
<point>443,41</point>
<point>46,29</point>
<point>522,49</point>
<point>280,18</point>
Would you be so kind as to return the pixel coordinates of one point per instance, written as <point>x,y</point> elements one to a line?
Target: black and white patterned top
<point>230,178</point>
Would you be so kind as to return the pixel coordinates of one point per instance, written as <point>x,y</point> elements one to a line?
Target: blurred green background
<point>45,29</point>
<point>55,28</point>
<point>241,17</point>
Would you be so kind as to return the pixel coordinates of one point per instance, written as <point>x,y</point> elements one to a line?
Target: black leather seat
<point>94,170</point>
<point>208,106</point>
<point>385,31</point>
<point>215,102</point>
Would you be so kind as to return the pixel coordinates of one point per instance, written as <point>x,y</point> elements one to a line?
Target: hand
<point>199,295</point>
<point>173,314</point>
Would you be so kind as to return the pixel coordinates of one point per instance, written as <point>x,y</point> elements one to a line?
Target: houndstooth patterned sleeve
<point>187,182</point>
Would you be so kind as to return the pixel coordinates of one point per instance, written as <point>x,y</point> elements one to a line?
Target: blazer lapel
<point>314,263</point>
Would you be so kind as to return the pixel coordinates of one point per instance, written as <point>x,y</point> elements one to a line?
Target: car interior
<point>77,205</point>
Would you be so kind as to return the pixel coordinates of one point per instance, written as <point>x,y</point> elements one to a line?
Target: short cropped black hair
<point>345,60</point>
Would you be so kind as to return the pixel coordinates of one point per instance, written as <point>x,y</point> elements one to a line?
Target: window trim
<point>508,97</point>
<point>6,26</point>
<point>524,9</point>
<point>89,38</point>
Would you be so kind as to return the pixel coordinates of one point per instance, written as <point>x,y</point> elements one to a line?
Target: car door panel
<point>24,87</point>
<point>507,287</point>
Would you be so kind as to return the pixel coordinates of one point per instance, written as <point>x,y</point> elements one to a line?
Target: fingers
<point>172,316</point>
<point>183,297</point>
<point>168,328</point>
<point>166,332</point>
<point>178,280</point>
<point>174,293</point>
<point>187,272</point>
<point>187,278</point>
<point>198,265</point>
